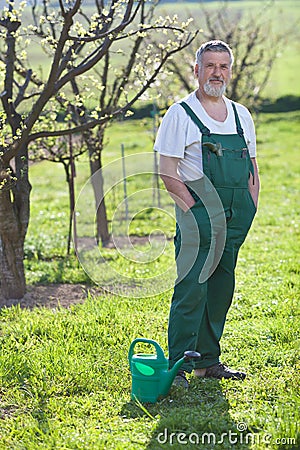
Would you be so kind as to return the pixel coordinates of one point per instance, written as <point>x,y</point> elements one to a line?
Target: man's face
<point>214,73</point>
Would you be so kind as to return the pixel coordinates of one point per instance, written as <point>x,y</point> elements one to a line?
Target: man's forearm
<point>179,192</point>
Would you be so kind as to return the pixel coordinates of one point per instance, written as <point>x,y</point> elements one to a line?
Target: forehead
<point>216,57</point>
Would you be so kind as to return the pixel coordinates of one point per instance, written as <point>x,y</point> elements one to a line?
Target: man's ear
<point>196,70</point>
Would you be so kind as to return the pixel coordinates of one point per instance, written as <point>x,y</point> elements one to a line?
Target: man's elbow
<point>165,178</point>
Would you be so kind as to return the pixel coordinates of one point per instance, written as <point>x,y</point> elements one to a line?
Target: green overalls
<point>201,297</point>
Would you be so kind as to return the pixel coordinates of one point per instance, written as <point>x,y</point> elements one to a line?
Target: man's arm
<point>176,188</point>
<point>254,183</point>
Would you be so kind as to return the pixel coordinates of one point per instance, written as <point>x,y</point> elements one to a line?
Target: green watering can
<point>151,377</point>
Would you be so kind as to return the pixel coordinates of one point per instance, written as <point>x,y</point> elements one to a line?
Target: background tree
<point>251,37</point>
<point>139,62</point>
<point>29,104</point>
<point>64,150</point>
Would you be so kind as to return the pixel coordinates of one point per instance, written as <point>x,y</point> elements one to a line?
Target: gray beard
<point>214,91</point>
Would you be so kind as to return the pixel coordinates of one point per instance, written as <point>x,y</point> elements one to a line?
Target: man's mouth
<point>219,80</point>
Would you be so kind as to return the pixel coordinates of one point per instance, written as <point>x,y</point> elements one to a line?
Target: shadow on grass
<point>195,418</point>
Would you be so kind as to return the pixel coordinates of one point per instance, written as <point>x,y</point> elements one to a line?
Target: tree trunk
<point>70,177</point>
<point>95,146</point>
<point>14,219</point>
<point>97,183</point>
<point>11,262</point>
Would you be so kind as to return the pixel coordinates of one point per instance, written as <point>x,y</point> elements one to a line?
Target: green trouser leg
<point>220,289</point>
<point>198,310</point>
<point>186,313</point>
<point>189,297</point>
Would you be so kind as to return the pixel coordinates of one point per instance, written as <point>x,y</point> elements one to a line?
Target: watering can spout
<point>171,374</point>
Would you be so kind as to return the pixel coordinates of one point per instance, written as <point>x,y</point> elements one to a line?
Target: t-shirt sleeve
<point>171,135</point>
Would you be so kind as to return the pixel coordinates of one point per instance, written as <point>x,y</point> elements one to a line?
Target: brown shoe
<point>221,371</point>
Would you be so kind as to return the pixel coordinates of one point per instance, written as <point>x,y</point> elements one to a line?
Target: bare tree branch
<point>93,58</point>
<point>61,62</point>
<point>22,88</point>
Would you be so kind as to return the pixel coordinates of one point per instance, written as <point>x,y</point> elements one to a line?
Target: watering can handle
<point>158,348</point>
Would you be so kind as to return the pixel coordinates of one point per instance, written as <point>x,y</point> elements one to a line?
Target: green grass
<point>65,381</point>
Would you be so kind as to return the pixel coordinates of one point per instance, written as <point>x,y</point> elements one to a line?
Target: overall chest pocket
<point>229,169</point>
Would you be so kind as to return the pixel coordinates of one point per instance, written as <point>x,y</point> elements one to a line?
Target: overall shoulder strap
<point>239,128</point>
<point>204,130</point>
<point>240,132</point>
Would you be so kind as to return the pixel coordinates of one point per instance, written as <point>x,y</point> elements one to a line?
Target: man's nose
<point>217,71</point>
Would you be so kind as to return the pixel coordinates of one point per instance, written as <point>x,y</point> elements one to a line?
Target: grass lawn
<point>65,380</point>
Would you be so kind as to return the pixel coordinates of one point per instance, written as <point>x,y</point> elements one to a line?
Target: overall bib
<point>198,309</point>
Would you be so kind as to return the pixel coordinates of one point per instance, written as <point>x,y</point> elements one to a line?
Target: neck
<point>215,107</point>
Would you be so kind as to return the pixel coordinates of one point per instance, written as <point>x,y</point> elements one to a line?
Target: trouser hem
<point>188,367</point>
<point>207,363</point>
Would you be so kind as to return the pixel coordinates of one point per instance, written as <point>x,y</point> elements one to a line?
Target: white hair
<point>213,46</point>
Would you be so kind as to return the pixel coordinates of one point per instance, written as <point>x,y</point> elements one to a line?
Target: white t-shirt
<point>178,136</point>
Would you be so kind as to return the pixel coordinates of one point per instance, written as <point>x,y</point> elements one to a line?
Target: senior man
<point>203,140</point>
